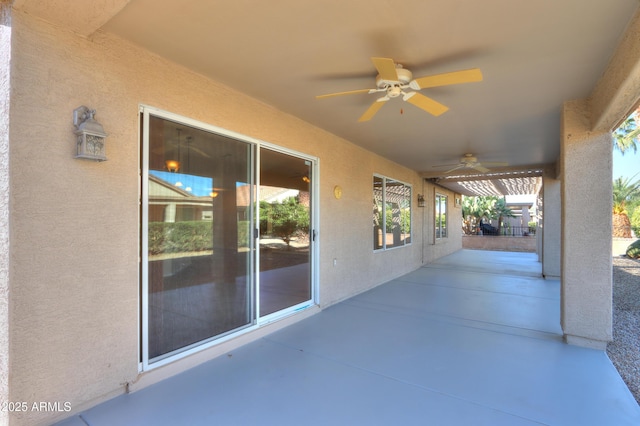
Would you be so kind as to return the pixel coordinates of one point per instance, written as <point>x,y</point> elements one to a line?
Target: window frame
<point>380,214</point>
<point>146,363</point>
<point>439,200</point>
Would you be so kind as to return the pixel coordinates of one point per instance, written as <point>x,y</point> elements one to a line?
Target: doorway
<point>286,233</point>
<point>227,235</point>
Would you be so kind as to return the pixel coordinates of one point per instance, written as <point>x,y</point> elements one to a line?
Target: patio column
<point>586,277</point>
<point>5,92</point>
<point>552,225</point>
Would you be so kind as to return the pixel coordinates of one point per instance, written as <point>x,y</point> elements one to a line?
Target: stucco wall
<point>5,75</point>
<point>436,248</point>
<point>478,242</point>
<point>552,227</point>
<point>586,272</point>
<point>74,270</point>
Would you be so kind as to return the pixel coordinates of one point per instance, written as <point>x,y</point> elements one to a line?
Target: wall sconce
<point>90,136</point>
<point>420,200</point>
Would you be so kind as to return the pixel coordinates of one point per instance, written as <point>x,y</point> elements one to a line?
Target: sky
<point>626,165</point>
<point>197,185</point>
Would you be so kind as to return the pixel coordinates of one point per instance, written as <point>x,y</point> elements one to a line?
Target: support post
<point>586,280</point>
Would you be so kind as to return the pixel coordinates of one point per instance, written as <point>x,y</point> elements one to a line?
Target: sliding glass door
<point>199,196</point>
<point>285,231</point>
<point>219,251</point>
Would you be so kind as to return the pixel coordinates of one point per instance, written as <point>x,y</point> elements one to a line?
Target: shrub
<point>286,218</point>
<point>633,251</point>
<point>635,221</point>
<point>175,237</point>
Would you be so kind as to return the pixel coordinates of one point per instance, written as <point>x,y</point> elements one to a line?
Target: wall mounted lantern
<point>90,136</point>
<point>420,200</point>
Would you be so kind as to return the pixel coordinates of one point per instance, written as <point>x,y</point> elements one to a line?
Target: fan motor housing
<point>404,77</point>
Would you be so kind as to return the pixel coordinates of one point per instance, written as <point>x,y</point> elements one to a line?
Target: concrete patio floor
<point>472,339</point>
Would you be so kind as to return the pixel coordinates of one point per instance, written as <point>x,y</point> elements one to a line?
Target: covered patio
<point>473,338</point>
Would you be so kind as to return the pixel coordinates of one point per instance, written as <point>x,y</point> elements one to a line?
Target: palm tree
<point>474,209</point>
<point>624,191</point>
<point>625,137</point>
<point>500,211</point>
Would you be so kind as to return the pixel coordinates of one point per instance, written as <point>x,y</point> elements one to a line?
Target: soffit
<point>534,56</point>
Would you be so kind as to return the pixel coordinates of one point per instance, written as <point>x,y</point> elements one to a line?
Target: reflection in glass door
<point>209,268</point>
<point>285,231</point>
<point>198,248</point>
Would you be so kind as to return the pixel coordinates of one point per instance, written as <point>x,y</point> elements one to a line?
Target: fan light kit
<point>395,80</point>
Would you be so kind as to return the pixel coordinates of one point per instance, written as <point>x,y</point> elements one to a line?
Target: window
<point>391,213</point>
<point>441,216</point>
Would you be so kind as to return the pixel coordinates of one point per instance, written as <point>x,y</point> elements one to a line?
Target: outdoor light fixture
<point>172,165</point>
<point>420,200</point>
<point>90,136</point>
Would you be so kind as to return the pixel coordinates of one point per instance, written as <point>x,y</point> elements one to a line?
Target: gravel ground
<point>624,351</point>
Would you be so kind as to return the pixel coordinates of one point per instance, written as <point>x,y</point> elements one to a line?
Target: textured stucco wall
<point>552,227</point>
<point>75,224</point>
<point>5,75</point>
<point>586,277</point>
<point>487,242</point>
<point>436,248</point>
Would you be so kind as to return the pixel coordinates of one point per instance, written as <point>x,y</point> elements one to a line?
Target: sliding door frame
<point>145,112</point>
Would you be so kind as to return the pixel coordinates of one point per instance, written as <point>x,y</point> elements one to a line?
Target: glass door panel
<point>285,231</point>
<point>199,249</point>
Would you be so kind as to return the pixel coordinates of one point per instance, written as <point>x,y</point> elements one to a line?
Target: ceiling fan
<point>469,161</point>
<point>394,80</point>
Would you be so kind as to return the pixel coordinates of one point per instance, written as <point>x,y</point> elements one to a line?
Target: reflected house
<point>169,202</point>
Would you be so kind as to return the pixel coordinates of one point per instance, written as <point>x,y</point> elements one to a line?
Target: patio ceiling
<point>533,56</point>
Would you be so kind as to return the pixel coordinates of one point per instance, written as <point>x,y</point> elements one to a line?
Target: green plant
<point>635,221</point>
<point>176,237</point>
<point>500,211</point>
<point>475,209</point>
<point>284,219</point>
<point>625,194</point>
<point>626,136</point>
<point>633,251</point>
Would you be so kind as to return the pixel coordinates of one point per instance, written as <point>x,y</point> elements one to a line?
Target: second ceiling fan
<point>469,161</point>
<point>395,80</point>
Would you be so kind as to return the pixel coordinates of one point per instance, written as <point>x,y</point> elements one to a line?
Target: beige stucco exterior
<point>74,272</point>
<point>586,243</point>
<point>552,226</point>
<point>5,84</point>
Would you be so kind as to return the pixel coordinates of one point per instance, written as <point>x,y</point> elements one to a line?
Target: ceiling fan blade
<point>495,164</point>
<point>350,92</point>
<point>201,152</point>
<point>386,68</point>
<point>373,109</point>
<point>447,165</point>
<point>448,78</point>
<point>479,168</point>
<point>459,166</point>
<point>425,103</point>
